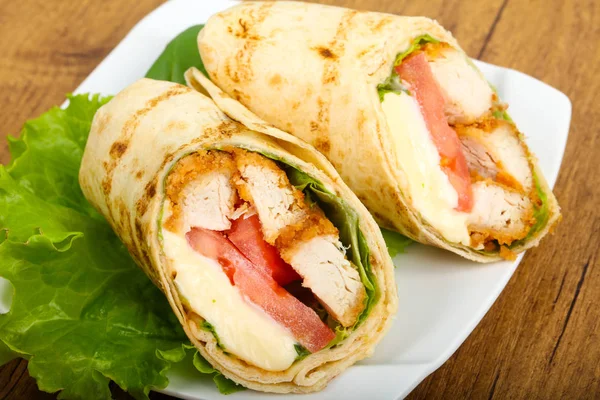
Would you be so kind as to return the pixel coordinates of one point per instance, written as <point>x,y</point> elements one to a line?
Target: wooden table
<point>541,339</point>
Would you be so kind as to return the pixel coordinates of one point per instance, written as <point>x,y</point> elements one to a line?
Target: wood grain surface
<point>541,339</point>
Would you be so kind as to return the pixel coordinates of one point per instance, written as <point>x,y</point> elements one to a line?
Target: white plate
<point>442,297</point>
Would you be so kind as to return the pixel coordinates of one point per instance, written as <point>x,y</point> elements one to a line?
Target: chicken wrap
<point>276,271</point>
<point>411,124</point>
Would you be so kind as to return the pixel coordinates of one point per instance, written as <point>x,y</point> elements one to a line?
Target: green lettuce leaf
<point>46,157</point>
<point>82,313</point>
<point>415,45</point>
<point>179,55</point>
<point>302,351</point>
<point>395,242</point>
<point>225,386</point>
<point>540,213</point>
<point>392,84</point>
<point>207,326</point>
<point>502,114</point>
<point>499,114</point>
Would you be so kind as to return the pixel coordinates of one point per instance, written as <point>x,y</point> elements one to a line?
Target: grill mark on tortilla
<point>176,125</point>
<point>145,255</point>
<point>323,145</point>
<point>168,158</point>
<point>124,219</point>
<point>331,58</point>
<point>139,232</point>
<point>106,186</point>
<point>275,80</point>
<point>151,190</point>
<point>364,52</point>
<point>222,131</point>
<point>361,120</point>
<point>325,52</point>
<point>119,147</point>
<point>244,70</point>
<point>245,29</point>
<point>381,64</point>
<point>376,25</point>
<point>232,75</point>
<point>242,67</point>
<point>141,205</point>
<point>142,252</point>
<point>239,96</point>
<point>381,219</point>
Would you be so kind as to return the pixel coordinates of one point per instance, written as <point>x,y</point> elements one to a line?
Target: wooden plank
<point>49,47</point>
<point>15,383</point>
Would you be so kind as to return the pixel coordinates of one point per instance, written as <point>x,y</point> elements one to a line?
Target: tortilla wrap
<point>314,71</point>
<point>141,135</point>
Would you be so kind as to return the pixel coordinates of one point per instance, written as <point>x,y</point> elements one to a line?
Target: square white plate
<point>442,296</point>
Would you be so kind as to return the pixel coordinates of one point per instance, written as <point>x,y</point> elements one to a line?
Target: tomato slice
<point>416,71</point>
<point>247,236</point>
<point>262,290</point>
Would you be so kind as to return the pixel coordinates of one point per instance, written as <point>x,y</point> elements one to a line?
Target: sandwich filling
<point>469,172</point>
<point>256,261</point>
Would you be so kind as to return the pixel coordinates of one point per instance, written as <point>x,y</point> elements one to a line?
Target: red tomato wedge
<point>247,236</point>
<point>262,290</point>
<point>416,71</point>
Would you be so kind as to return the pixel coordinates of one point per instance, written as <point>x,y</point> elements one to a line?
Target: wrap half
<point>395,104</point>
<point>276,271</point>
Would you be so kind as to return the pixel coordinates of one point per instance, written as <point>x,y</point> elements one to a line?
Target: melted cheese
<point>243,329</point>
<point>431,193</point>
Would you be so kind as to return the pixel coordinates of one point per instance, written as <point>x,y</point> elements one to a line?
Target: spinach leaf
<point>179,55</point>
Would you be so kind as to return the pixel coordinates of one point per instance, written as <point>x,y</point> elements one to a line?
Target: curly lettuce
<point>393,84</point>
<point>179,55</point>
<point>396,243</point>
<point>416,44</point>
